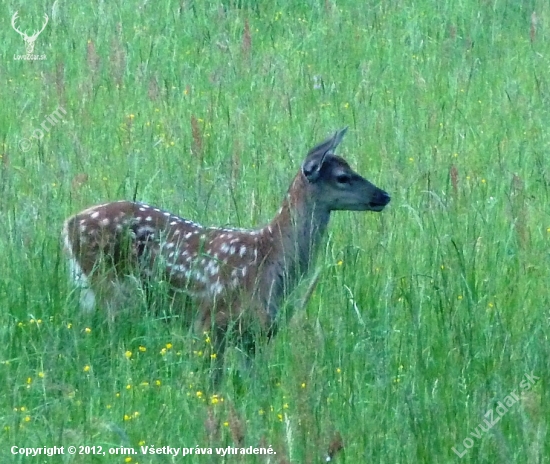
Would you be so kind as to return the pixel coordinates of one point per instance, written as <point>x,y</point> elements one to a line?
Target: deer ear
<point>316,156</point>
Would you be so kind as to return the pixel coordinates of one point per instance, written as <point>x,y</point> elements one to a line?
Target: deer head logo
<point>29,40</point>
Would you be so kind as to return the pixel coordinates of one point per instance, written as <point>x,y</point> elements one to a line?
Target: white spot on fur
<point>146,229</point>
<point>104,222</point>
<point>242,251</point>
<point>212,268</point>
<point>224,248</point>
<point>179,268</point>
<point>216,288</point>
<point>94,215</point>
<point>148,218</point>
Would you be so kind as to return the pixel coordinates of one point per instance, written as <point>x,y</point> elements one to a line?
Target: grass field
<point>426,315</point>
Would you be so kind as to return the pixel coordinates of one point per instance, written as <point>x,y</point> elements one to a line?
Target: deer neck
<point>297,231</point>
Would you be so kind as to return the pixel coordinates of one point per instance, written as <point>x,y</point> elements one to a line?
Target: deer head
<point>29,40</point>
<point>333,185</point>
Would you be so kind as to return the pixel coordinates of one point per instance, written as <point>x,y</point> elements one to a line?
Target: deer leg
<point>208,322</point>
<point>219,344</point>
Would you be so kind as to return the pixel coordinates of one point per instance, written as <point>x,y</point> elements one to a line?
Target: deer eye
<point>343,179</point>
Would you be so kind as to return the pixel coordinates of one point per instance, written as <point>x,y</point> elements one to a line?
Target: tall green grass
<point>425,316</point>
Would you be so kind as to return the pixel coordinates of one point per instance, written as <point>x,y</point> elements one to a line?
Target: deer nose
<point>379,200</point>
<point>384,198</point>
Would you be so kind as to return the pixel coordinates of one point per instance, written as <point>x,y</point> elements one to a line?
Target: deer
<point>236,279</point>
<point>29,40</point>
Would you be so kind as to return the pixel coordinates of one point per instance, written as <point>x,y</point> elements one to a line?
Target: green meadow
<point>426,318</point>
